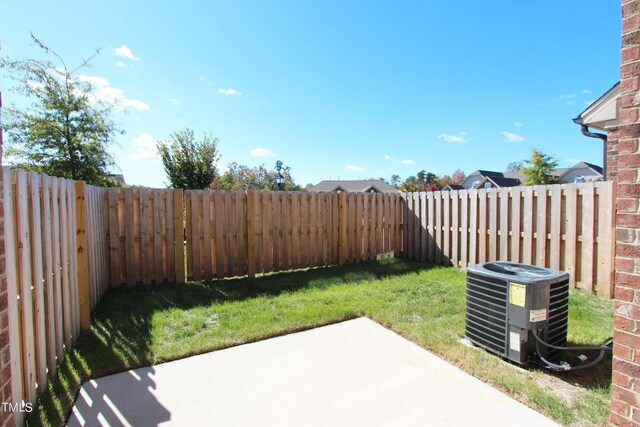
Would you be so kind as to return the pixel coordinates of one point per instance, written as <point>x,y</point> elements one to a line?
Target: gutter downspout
<point>601,136</point>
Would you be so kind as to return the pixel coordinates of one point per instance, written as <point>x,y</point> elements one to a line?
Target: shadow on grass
<point>120,335</point>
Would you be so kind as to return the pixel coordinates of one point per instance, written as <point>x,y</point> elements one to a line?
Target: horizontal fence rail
<point>236,233</point>
<point>567,227</point>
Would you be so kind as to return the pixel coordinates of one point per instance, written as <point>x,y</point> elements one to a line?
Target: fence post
<point>251,234</point>
<point>83,260</point>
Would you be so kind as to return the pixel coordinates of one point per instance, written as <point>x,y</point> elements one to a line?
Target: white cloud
<point>121,64</point>
<point>388,157</point>
<point>103,91</point>
<point>512,137</point>
<point>201,78</point>
<point>567,99</point>
<point>408,162</point>
<point>586,91</point>
<point>145,146</point>
<point>261,152</point>
<point>517,124</point>
<point>229,92</point>
<point>355,168</point>
<point>174,101</point>
<point>589,102</point>
<point>125,52</point>
<point>453,138</point>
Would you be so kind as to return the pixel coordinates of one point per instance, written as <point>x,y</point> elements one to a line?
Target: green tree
<point>395,180</point>
<point>242,177</point>
<point>188,163</point>
<point>410,185</point>
<point>65,131</point>
<point>539,170</point>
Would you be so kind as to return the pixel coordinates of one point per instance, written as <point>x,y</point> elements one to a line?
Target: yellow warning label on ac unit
<point>517,294</point>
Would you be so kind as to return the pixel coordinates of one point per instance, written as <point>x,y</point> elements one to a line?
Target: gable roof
<point>597,169</point>
<point>355,186</point>
<point>487,173</point>
<point>499,181</point>
<point>603,112</point>
<point>453,187</point>
<point>590,165</point>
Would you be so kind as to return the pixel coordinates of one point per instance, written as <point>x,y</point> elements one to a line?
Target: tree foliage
<point>65,131</point>
<point>457,177</point>
<point>443,181</point>
<point>539,170</point>
<point>188,163</point>
<point>242,177</point>
<point>513,167</point>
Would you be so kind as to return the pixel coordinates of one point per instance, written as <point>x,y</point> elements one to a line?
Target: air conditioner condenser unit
<point>508,302</point>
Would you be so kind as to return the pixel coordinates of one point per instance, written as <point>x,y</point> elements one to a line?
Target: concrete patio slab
<point>355,373</point>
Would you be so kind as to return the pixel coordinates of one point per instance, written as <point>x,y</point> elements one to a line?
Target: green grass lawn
<point>140,326</point>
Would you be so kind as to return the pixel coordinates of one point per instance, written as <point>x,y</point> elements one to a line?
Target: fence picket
<point>493,224</point>
<point>482,225</point>
<point>455,227</point>
<point>504,224</point>
<point>588,228</point>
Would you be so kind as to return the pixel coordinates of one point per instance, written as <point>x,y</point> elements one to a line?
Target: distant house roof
<point>517,178</point>
<point>581,165</point>
<point>356,186</point>
<point>487,173</point>
<point>453,187</point>
<point>559,172</point>
<point>501,181</point>
<point>479,175</point>
<point>591,165</point>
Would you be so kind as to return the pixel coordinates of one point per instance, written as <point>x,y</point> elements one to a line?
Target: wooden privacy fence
<point>54,272</point>
<point>568,227</point>
<point>236,233</point>
<point>144,234</point>
<point>67,242</point>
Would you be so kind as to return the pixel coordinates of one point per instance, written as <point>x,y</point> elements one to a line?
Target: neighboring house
<point>498,182</point>
<point>603,114</point>
<point>357,186</point>
<point>489,179</point>
<point>581,172</point>
<point>450,187</point>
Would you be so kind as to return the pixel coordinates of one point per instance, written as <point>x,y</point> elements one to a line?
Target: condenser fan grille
<point>486,320</point>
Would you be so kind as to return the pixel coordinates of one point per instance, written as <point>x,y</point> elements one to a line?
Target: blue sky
<point>338,89</point>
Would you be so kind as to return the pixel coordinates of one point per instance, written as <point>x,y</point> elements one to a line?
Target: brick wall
<point>6,418</point>
<point>624,159</point>
<point>612,155</point>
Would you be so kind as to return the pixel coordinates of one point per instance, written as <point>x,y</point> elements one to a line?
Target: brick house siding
<point>6,418</point>
<point>624,163</point>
